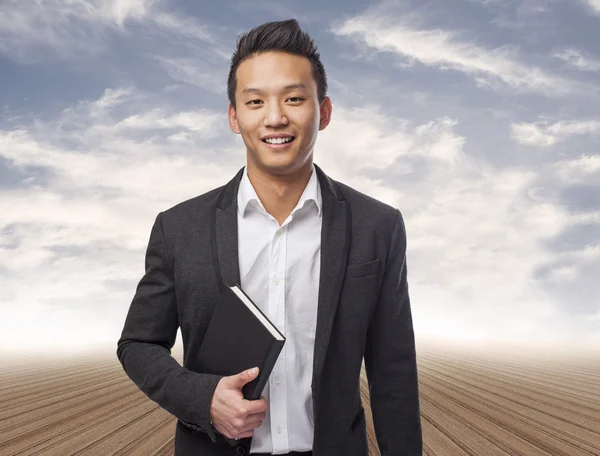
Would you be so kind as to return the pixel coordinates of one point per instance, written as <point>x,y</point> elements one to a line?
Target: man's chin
<point>280,167</point>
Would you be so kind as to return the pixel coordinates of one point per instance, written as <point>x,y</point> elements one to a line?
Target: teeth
<point>278,140</point>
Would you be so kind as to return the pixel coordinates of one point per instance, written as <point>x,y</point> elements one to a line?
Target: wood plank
<point>437,442</point>
<point>472,404</point>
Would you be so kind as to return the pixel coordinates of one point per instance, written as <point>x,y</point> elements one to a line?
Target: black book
<point>239,337</point>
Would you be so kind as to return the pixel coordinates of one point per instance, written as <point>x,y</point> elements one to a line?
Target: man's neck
<point>279,194</point>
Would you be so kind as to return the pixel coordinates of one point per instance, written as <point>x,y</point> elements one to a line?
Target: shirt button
<point>279,429</point>
<point>276,281</point>
<point>277,380</point>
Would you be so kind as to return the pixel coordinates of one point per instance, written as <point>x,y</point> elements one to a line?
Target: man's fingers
<point>251,423</point>
<point>221,430</point>
<point>254,407</point>
<point>247,431</point>
<point>245,435</point>
<point>239,380</point>
<point>238,417</point>
<point>255,418</point>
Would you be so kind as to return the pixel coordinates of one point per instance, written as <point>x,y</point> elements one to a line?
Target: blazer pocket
<point>184,428</point>
<point>360,416</point>
<point>190,427</point>
<point>354,271</point>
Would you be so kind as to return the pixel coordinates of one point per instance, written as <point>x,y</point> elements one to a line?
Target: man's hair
<point>284,36</point>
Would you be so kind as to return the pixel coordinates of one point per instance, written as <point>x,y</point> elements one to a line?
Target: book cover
<point>239,337</point>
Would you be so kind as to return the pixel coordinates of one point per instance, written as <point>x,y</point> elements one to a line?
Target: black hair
<point>284,36</point>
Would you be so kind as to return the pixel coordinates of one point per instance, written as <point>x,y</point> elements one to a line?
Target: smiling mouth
<point>280,141</point>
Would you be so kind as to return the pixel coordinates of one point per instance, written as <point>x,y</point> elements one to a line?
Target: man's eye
<point>293,99</point>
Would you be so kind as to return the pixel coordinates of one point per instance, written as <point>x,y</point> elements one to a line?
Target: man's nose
<point>275,116</point>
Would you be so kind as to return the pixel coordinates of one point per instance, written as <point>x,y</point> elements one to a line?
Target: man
<point>326,263</point>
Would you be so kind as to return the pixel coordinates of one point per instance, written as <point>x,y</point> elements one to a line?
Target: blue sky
<point>478,119</point>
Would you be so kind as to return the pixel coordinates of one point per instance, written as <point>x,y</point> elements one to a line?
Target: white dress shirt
<point>279,270</point>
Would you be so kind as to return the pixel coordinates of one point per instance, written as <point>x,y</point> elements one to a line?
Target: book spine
<point>265,371</point>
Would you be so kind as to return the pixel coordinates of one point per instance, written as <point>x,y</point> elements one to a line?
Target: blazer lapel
<point>226,232</point>
<point>335,244</point>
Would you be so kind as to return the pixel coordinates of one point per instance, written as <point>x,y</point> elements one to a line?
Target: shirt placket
<point>277,384</point>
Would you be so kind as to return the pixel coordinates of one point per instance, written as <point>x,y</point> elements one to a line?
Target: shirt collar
<point>247,195</point>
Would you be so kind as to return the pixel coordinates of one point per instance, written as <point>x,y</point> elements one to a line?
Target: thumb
<point>244,377</point>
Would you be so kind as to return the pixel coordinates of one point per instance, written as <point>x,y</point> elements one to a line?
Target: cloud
<point>545,134</point>
<point>28,28</point>
<point>99,161</point>
<point>202,122</point>
<point>578,171</point>
<point>518,14</point>
<point>111,98</point>
<point>579,60</point>
<point>442,49</point>
<point>109,164</point>
<point>594,5</point>
<point>78,228</point>
<point>384,140</point>
<point>128,154</point>
<point>359,151</point>
<point>467,223</point>
<point>190,71</point>
<point>194,35</point>
<point>121,10</point>
<point>475,241</point>
<point>33,31</point>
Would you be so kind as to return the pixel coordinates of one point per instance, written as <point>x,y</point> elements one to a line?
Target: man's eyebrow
<point>298,85</point>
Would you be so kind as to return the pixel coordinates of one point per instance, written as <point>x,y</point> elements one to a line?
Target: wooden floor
<point>471,404</point>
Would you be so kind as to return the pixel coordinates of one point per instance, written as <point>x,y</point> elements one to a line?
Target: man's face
<point>276,95</point>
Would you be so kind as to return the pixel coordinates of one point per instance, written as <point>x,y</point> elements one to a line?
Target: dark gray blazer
<point>363,310</point>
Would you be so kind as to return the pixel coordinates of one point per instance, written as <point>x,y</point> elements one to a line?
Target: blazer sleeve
<point>149,333</point>
<point>390,358</point>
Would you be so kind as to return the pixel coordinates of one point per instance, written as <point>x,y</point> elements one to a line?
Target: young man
<point>326,263</point>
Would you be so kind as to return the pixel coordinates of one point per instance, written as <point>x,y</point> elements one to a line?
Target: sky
<point>478,119</point>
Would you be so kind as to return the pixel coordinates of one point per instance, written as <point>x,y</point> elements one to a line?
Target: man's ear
<point>233,119</point>
<point>325,113</point>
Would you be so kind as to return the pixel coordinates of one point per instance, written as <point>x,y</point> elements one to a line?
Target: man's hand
<point>231,414</point>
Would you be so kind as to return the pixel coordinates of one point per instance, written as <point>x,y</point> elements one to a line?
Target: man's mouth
<point>276,141</point>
